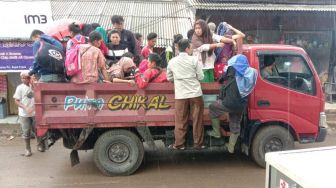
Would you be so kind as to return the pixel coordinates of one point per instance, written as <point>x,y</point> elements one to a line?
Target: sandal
<point>173,147</point>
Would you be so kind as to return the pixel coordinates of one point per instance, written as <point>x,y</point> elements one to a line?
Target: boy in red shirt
<point>151,41</point>
<point>154,73</point>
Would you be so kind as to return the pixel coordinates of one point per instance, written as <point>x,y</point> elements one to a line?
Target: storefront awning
<point>261,7</point>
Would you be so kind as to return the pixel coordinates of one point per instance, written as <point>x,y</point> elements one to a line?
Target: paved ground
<point>159,170</point>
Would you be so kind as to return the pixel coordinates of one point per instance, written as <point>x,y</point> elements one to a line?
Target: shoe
<point>28,153</point>
<point>232,142</point>
<point>200,147</point>
<point>40,148</point>
<point>173,147</point>
<point>212,133</point>
<point>215,132</point>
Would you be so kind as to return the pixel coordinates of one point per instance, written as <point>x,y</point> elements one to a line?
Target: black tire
<point>118,153</point>
<point>270,139</point>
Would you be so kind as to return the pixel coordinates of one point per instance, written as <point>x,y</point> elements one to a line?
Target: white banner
<point>19,18</point>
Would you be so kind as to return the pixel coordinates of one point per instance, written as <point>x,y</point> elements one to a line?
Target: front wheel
<point>118,152</point>
<point>270,139</point>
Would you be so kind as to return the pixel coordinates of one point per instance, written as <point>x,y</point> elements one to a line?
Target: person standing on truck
<point>42,44</point>
<point>203,47</point>
<point>126,36</point>
<point>154,73</point>
<point>186,73</point>
<point>115,48</point>
<point>92,61</point>
<point>24,99</point>
<point>76,37</point>
<point>239,81</point>
<point>149,48</point>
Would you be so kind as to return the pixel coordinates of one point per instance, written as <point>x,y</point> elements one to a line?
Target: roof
<point>166,18</point>
<point>220,5</point>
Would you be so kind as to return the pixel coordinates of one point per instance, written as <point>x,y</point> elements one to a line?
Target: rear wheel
<point>118,152</point>
<point>270,139</point>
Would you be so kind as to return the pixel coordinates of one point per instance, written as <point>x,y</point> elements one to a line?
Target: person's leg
<point>181,121</point>
<point>216,109</point>
<point>197,108</point>
<point>234,124</point>
<point>33,129</point>
<point>26,130</point>
<point>206,75</point>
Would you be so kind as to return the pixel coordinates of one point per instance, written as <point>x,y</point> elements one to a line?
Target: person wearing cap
<point>154,73</point>
<point>267,70</point>
<point>24,99</point>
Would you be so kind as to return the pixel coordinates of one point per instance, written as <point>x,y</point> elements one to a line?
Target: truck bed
<point>68,105</point>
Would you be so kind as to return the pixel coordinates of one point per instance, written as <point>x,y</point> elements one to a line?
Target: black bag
<point>50,58</point>
<point>229,93</point>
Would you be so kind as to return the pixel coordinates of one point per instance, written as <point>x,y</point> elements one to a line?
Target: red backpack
<point>72,60</point>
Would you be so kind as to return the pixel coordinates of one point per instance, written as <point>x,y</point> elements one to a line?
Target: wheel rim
<point>118,152</point>
<point>273,144</point>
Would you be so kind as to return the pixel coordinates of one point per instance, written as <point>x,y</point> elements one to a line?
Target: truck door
<point>286,92</point>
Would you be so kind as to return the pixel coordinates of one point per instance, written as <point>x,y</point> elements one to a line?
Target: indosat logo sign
<point>20,18</point>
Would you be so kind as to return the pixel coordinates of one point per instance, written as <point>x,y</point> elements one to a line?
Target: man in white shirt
<point>24,98</point>
<point>186,72</point>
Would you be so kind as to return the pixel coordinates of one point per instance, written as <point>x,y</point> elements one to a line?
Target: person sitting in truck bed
<point>267,70</point>
<point>154,73</point>
<point>92,60</point>
<point>123,71</point>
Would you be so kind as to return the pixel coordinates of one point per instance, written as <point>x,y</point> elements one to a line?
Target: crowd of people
<point>116,56</point>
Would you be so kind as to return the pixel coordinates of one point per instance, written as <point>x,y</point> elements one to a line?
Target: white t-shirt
<point>25,94</point>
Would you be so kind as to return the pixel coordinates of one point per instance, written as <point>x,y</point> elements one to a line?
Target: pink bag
<point>72,60</point>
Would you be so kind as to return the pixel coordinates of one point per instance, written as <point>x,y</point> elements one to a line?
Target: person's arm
<point>170,76</point>
<point>133,44</point>
<point>238,34</point>
<point>142,80</point>
<point>101,64</point>
<point>207,47</point>
<point>118,80</point>
<point>35,67</point>
<point>199,70</point>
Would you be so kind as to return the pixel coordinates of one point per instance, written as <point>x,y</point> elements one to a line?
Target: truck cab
<point>115,119</point>
<point>289,103</point>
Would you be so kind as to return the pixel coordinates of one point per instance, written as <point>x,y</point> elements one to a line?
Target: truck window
<point>290,71</point>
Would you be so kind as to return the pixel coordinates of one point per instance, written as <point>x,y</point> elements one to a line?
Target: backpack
<point>229,93</point>
<point>72,60</point>
<point>50,58</point>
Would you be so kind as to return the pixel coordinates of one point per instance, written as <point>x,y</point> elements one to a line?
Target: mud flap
<point>81,139</point>
<point>74,158</point>
<point>147,136</point>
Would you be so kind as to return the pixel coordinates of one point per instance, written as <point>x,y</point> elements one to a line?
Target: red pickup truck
<point>115,119</point>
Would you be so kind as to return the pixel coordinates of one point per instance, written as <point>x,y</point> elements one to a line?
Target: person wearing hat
<point>154,73</point>
<point>267,71</point>
<point>24,99</point>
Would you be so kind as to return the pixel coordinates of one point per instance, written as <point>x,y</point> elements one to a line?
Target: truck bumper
<point>322,134</point>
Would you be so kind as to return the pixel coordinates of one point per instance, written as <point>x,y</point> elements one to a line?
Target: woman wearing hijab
<point>203,48</point>
<point>123,71</point>
<point>238,82</point>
